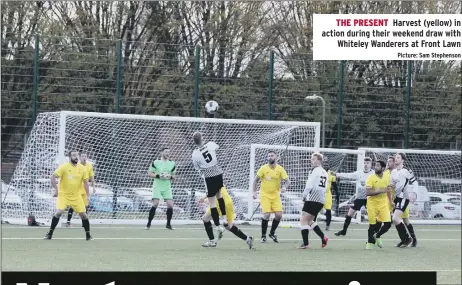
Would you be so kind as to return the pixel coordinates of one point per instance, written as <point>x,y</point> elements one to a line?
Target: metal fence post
<point>196,80</point>
<point>119,74</point>
<point>341,84</point>
<point>36,79</point>
<point>270,86</point>
<point>407,103</point>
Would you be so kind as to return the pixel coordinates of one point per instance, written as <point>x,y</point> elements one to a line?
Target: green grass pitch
<point>131,248</point>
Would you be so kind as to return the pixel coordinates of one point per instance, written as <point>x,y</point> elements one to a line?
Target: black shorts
<point>214,185</point>
<point>358,204</point>
<point>401,204</point>
<point>312,208</point>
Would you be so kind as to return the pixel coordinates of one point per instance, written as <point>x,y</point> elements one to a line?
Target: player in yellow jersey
<point>270,175</point>
<point>378,199</point>
<point>72,175</point>
<point>91,178</point>
<point>331,184</point>
<point>229,205</point>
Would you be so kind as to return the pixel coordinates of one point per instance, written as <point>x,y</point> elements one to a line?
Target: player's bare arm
<point>371,192</point>
<point>54,184</point>
<point>86,187</point>
<point>255,186</point>
<point>285,185</point>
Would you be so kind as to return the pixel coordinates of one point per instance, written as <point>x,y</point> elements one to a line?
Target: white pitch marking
<point>192,238</point>
<point>200,228</point>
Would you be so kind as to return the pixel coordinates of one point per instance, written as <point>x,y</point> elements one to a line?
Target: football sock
<point>370,234</point>
<point>317,230</point>
<point>347,222</point>
<point>69,214</point>
<point>305,236</point>
<point>410,228</point>
<point>54,223</point>
<point>378,226</point>
<point>264,226</point>
<point>209,230</point>
<point>169,215</point>
<point>401,228</point>
<point>221,204</point>
<point>86,225</point>
<point>237,232</point>
<point>274,226</point>
<point>215,217</point>
<point>152,213</point>
<point>383,229</point>
<point>328,217</point>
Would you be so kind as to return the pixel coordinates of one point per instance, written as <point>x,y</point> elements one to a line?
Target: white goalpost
<point>121,148</point>
<point>296,161</point>
<point>436,200</point>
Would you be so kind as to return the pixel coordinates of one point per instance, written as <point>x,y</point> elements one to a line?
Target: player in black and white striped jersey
<point>205,160</point>
<point>402,179</point>
<point>314,197</point>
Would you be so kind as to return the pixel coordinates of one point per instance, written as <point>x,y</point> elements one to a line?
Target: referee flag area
<point>131,248</point>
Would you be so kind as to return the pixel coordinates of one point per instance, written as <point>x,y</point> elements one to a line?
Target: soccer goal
<point>121,148</point>
<point>436,200</point>
<point>297,162</point>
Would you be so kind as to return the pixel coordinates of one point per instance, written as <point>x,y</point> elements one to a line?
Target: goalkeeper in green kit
<point>163,171</point>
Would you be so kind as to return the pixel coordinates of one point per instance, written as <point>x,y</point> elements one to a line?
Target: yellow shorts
<point>229,211</point>
<point>270,204</point>
<point>328,203</point>
<point>76,202</point>
<point>377,212</point>
<point>404,215</point>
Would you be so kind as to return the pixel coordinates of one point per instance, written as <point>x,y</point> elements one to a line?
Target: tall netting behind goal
<point>122,147</point>
<point>297,162</point>
<point>436,200</point>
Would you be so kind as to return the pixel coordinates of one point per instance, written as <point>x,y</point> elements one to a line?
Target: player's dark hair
<point>197,137</point>
<point>367,158</point>
<point>71,151</point>
<point>271,151</point>
<point>391,157</point>
<point>403,155</point>
<point>164,148</point>
<point>382,163</point>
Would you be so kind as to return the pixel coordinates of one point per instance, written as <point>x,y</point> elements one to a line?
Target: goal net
<point>436,200</point>
<point>296,161</point>
<point>121,148</point>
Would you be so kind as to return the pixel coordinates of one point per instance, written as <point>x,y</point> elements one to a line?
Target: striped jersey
<point>315,189</point>
<point>402,179</point>
<point>360,176</point>
<point>205,160</point>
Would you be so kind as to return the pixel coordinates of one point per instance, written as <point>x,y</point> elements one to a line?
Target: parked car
<point>142,198</point>
<point>10,201</point>
<point>453,194</point>
<point>444,206</point>
<point>103,199</point>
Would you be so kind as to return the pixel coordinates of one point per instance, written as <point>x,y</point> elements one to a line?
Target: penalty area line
<point>193,238</point>
<point>249,228</point>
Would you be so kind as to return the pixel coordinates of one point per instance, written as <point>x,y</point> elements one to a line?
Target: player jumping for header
<point>205,160</point>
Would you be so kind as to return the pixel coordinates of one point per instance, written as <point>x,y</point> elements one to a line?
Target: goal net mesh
<point>121,148</point>
<point>438,174</point>
<point>297,163</point>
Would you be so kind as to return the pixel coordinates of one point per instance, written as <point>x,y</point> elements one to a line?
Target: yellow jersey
<point>376,182</point>
<point>271,179</point>
<point>330,179</point>
<point>71,178</point>
<point>89,168</point>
